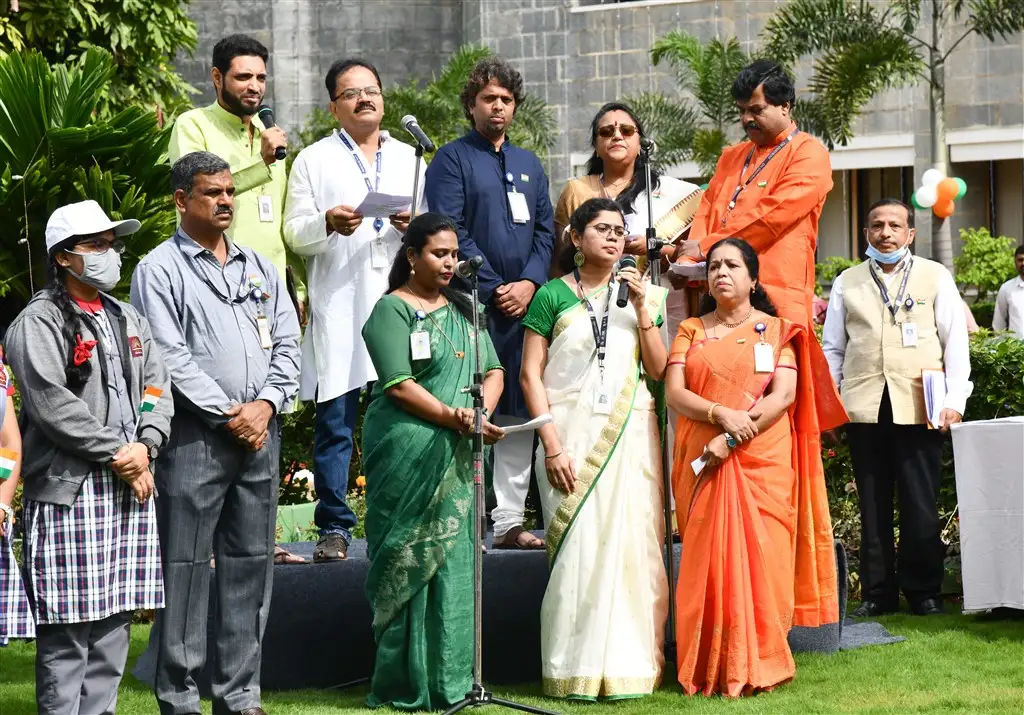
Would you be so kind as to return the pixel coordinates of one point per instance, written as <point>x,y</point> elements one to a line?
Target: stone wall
<point>403,38</point>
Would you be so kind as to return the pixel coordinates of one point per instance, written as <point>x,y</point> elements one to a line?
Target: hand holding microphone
<point>273,141</point>
<point>631,284</point>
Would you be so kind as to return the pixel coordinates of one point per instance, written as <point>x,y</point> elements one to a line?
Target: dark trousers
<point>79,665</point>
<point>908,458</point>
<point>215,497</point>
<point>333,441</point>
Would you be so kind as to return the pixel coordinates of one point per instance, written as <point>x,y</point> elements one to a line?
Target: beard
<point>234,104</point>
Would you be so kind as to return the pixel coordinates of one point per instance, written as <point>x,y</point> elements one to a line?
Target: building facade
<point>578,54</point>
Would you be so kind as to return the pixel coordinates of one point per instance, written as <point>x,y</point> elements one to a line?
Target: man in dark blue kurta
<point>497,195</point>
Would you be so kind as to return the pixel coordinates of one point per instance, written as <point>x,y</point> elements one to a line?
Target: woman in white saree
<point>587,362</point>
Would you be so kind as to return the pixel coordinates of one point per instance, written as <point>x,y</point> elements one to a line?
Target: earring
<point>579,258</point>
<point>412,269</point>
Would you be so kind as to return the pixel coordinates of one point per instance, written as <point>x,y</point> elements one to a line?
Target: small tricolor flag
<point>8,458</point>
<point>150,398</point>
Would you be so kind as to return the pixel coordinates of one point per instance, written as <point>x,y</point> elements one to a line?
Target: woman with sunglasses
<point>93,420</point>
<point>592,365</point>
<point>616,171</point>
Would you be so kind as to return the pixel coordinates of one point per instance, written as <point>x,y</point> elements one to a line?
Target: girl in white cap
<point>93,421</point>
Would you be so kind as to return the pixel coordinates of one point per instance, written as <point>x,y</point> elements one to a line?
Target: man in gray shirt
<point>229,335</point>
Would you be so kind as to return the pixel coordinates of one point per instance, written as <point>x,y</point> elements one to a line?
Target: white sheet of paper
<point>698,465</point>
<point>533,424</point>
<point>378,205</point>
<point>934,383</point>
<point>689,270</point>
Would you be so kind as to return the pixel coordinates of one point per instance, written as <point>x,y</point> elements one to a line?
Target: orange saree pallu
<point>758,554</point>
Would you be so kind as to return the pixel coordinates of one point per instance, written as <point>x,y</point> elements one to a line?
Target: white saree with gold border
<point>604,610</point>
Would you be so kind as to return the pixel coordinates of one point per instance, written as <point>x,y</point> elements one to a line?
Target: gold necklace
<point>719,321</point>
<point>458,353</point>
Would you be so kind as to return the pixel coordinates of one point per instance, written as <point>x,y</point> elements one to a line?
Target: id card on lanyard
<point>602,396</point>
<point>908,329</point>
<point>378,223</point>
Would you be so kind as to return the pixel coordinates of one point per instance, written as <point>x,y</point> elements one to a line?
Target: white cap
<point>83,219</point>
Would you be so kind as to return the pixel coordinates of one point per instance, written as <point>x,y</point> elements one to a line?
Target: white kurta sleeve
<point>833,333</point>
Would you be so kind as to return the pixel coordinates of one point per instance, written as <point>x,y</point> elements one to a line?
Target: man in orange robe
<point>783,177</point>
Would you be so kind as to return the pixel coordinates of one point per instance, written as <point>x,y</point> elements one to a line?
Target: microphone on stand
<point>470,267</point>
<point>648,145</point>
<point>266,115</point>
<point>410,125</point>
<point>623,297</point>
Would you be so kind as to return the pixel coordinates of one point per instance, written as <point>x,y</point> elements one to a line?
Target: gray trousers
<point>215,497</point>
<point>79,665</point>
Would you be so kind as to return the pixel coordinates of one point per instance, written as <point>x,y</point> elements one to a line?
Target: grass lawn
<point>948,664</point>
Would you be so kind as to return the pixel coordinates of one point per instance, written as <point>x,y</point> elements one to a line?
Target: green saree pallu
<point>419,499</point>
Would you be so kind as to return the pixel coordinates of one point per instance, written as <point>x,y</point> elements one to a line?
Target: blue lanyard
<point>378,223</point>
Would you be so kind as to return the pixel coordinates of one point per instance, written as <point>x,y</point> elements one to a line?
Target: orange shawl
<point>758,554</point>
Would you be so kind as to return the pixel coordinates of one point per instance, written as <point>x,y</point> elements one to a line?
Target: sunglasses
<point>608,131</point>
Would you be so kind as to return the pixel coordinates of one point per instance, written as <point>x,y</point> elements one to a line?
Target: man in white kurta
<point>1009,313</point>
<point>348,257</point>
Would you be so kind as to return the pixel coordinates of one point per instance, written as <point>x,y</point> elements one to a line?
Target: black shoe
<point>331,547</point>
<point>928,607</point>
<point>872,609</point>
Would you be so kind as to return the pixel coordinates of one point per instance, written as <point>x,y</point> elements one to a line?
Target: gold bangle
<point>711,413</point>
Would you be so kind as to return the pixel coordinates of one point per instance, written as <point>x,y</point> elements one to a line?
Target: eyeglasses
<point>603,229</point>
<point>99,246</point>
<point>354,92</point>
<point>608,130</point>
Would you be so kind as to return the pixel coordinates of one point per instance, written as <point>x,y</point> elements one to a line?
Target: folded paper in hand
<point>689,270</point>
<point>533,424</point>
<point>934,382</point>
<point>378,205</point>
<point>699,463</point>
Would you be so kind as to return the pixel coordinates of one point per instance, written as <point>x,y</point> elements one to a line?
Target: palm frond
<point>670,122</point>
<point>707,148</point>
<point>803,27</point>
<point>809,115</point>
<point>706,71</point>
<point>996,18</point>
<point>907,12</point>
<point>847,77</point>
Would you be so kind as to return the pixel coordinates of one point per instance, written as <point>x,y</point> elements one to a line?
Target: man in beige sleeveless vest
<point>889,319</point>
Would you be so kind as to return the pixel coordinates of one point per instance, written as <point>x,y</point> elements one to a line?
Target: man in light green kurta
<point>231,129</point>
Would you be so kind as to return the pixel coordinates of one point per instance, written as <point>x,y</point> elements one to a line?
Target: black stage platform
<point>318,633</point>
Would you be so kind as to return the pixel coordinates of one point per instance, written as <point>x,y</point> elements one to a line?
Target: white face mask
<point>100,270</point>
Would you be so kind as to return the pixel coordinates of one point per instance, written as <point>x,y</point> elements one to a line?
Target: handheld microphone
<point>266,115</point>
<point>623,297</point>
<point>470,267</point>
<point>410,125</point>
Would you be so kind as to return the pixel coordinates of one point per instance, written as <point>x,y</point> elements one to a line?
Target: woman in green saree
<point>417,460</point>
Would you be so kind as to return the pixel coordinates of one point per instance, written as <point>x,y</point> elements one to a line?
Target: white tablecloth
<point>989,458</point>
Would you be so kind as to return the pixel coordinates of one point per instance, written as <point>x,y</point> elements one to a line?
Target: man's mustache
<point>752,125</point>
<point>365,105</point>
<point>223,210</point>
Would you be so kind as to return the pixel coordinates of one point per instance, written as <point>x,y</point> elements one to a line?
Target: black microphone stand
<point>478,694</point>
<point>654,246</point>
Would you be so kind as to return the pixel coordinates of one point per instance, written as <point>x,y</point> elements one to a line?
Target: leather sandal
<point>510,540</point>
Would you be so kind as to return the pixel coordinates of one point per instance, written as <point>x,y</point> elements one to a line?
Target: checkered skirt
<point>98,557</point>
<point>15,612</point>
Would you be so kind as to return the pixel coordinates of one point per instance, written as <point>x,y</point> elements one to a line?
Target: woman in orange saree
<point>757,552</point>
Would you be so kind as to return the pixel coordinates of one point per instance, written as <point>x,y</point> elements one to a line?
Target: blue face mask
<point>887,258</point>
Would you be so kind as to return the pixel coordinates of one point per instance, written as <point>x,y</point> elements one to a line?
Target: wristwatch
<point>151,448</point>
<point>8,514</point>
<point>730,441</point>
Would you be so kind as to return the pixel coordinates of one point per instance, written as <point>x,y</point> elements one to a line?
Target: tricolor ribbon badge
<point>8,458</point>
<point>150,398</point>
